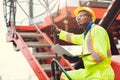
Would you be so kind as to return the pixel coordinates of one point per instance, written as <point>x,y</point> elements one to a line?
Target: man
<point>95,42</point>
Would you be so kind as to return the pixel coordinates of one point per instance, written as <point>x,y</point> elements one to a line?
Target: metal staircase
<point>41,56</point>
<point>41,49</point>
<point>33,40</point>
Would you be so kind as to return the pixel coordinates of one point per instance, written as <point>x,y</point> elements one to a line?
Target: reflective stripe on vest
<point>109,54</point>
<point>68,37</point>
<point>89,43</point>
<point>96,56</point>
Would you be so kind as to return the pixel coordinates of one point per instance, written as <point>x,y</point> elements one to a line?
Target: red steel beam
<point>99,12</point>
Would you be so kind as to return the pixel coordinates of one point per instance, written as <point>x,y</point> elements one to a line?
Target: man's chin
<point>81,26</point>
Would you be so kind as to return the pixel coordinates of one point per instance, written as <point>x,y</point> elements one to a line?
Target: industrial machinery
<point>46,64</point>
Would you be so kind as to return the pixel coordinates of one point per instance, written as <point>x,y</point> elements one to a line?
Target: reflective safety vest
<point>97,64</point>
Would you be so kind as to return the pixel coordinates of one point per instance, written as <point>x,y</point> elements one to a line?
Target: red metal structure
<point>39,38</point>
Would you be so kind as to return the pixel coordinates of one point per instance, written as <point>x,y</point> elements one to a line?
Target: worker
<point>95,42</point>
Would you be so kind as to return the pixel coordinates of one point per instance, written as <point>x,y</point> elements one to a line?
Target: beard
<point>82,26</point>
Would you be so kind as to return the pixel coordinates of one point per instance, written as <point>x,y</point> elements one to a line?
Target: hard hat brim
<point>77,10</point>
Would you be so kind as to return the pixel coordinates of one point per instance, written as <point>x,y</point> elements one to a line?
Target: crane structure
<point>46,64</point>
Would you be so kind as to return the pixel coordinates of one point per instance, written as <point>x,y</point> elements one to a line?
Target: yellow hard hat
<point>77,10</point>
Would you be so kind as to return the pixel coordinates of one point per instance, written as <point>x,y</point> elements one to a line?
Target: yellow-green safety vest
<point>97,64</point>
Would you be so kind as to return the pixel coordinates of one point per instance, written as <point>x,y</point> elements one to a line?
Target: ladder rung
<point>47,67</point>
<point>37,44</point>
<point>30,34</point>
<point>44,55</point>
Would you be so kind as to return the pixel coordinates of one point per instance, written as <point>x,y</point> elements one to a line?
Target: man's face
<point>83,19</point>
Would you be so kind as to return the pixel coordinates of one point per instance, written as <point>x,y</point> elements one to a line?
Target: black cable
<point>56,64</point>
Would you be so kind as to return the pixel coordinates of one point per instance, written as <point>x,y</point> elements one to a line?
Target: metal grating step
<point>37,44</point>
<point>44,55</point>
<point>30,35</point>
<point>47,67</point>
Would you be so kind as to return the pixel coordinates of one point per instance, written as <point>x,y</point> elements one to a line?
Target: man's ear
<point>90,18</point>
